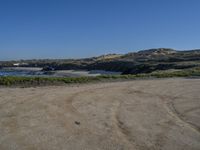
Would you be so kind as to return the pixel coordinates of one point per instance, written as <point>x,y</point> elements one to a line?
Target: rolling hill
<point>144,61</point>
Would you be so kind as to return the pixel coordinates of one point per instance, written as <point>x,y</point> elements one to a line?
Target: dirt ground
<point>161,114</point>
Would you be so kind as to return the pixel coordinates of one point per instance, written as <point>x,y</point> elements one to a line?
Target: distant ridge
<point>143,61</point>
<point>158,50</point>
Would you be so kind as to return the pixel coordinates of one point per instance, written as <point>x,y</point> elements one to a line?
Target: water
<point>63,73</point>
<point>20,73</point>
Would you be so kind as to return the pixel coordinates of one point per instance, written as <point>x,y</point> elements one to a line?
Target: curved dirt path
<point>135,115</point>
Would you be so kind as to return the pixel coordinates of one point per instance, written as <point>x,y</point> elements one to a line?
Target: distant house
<point>20,64</point>
<point>16,64</point>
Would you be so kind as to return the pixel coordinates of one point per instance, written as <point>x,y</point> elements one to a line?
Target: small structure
<point>16,64</point>
<point>20,64</point>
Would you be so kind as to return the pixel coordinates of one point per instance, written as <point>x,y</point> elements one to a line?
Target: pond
<point>28,71</point>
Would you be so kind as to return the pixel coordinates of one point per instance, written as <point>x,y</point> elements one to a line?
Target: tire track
<point>116,129</point>
<point>174,112</point>
<point>171,109</point>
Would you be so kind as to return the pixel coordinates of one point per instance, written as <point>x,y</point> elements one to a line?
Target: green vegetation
<point>177,73</point>
<point>153,63</point>
<point>35,81</point>
<point>16,80</point>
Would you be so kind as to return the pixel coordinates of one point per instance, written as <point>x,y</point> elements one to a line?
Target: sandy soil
<point>136,115</point>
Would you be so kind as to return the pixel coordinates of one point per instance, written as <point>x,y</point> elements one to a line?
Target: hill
<point>145,61</point>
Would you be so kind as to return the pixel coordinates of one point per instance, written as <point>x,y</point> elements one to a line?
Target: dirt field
<point>136,115</point>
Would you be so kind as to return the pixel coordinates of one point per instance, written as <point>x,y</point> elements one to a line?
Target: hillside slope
<point>144,61</point>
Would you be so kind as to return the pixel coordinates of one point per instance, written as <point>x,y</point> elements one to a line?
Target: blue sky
<point>84,28</point>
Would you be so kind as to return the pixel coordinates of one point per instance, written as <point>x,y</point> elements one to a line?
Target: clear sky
<point>83,28</point>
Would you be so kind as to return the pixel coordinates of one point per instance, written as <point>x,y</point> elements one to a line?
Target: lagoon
<point>32,71</point>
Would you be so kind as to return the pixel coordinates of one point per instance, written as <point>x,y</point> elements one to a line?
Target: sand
<point>136,115</point>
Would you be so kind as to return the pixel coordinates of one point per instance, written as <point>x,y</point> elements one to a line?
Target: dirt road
<point>136,115</point>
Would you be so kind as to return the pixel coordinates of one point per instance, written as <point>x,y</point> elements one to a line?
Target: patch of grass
<point>177,73</point>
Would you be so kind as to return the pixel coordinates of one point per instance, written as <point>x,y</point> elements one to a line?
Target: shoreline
<point>39,80</point>
<point>39,72</point>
